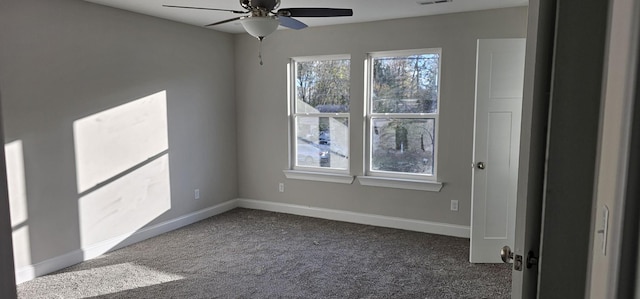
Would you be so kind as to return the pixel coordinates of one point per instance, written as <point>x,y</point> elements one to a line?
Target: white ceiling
<point>363,10</point>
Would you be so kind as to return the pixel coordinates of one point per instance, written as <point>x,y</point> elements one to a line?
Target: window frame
<point>391,178</point>
<point>310,172</point>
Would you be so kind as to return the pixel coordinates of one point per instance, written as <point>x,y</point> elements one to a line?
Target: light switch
<point>603,228</point>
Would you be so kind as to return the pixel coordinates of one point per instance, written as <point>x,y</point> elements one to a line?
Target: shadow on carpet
<point>256,254</point>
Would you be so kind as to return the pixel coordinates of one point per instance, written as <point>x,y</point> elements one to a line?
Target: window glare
<point>321,96</point>
<point>322,142</point>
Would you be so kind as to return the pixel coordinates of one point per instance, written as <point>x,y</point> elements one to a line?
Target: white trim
<point>400,183</point>
<point>321,58</point>
<point>100,248</point>
<point>26,273</point>
<point>446,229</point>
<point>293,115</point>
<point>406,52</point>
<point>30,272</point>
<point>319,176</point>
<point>369,115</point>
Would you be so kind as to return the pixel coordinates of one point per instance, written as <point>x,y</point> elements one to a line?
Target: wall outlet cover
<point>454,205</point>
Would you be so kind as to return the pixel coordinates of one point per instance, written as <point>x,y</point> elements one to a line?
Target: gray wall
<point>63,60</point>
<point>262,110</point>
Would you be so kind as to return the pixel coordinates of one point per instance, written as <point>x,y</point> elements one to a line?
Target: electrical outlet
<point>454,205</point>
<point>196,194</point>
<point>281,187</point>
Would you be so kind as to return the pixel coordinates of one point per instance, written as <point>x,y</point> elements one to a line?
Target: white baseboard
<point>98,249</point>
<point>360,218</point>
<point>30,272</point>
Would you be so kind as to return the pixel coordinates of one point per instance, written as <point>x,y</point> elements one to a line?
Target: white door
<point>535,111</point>
<point>499,82</point>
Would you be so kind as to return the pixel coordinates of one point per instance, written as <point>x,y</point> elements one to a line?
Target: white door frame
<point>611,244</point>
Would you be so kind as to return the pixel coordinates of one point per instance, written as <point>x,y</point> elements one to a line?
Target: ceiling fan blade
<point>292,23</point>
<point>206,8</point>
<point>222,22</point>
<point>315,12</point>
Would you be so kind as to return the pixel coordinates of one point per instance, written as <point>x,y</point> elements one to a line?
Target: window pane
<point>322,86</point>
<point>322,142</point>
<point>403,145</point>
<point>405,84</point>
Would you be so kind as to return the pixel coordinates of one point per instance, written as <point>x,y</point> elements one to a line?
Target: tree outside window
<point>321,94</point>
<point>403,112</point>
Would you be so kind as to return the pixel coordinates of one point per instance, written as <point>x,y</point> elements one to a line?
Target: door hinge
<point>532,260</point>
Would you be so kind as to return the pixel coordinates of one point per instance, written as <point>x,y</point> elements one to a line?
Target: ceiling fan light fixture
<point>260,27</point>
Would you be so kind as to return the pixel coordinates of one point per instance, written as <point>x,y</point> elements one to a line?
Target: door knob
<point>506,254</point>
<point>480,165</point>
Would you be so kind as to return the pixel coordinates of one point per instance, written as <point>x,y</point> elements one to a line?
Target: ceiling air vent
<point>427,2</point>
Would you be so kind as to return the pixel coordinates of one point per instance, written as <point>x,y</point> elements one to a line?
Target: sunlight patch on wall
<point>122,164</point>
<point>110,142</point>
<point>125,205</point>
<point>16,181</point>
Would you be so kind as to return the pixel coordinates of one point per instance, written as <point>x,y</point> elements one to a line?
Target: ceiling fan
<point>261,17</point>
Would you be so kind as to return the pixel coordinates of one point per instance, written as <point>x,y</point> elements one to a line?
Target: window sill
<point>400,183</point>
<point>317,176</point>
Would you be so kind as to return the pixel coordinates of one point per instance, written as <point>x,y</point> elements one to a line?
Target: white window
<point>319,99</point>
<point>402,114</point>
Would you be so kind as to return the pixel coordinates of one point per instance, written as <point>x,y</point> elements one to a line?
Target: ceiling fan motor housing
<point>267,5</point>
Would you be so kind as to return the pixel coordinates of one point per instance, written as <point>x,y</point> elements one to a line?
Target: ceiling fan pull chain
<point>260,51</point>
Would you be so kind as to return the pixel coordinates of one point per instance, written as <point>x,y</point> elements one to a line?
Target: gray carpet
<point>256,254</point>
